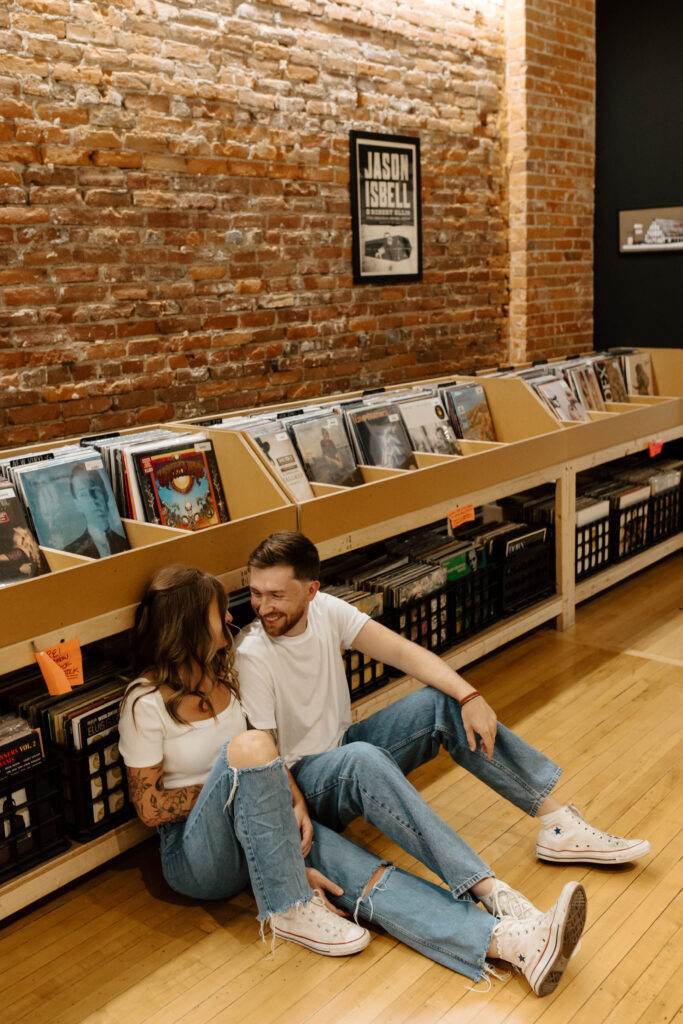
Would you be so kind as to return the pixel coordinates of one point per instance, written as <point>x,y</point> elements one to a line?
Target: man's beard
<point>283,623</point>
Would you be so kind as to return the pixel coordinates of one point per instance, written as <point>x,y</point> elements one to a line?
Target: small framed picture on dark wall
<point>386,214</point>
<point>657,229</point>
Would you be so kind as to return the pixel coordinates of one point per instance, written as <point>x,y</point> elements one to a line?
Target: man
<point>90,498</point>
<point>293,684</point>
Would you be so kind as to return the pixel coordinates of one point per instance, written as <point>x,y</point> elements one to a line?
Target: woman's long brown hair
<point>171,637</point>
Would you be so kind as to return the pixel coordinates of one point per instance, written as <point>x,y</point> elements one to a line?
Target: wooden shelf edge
<point>80,858</point>
<point>616,573</point>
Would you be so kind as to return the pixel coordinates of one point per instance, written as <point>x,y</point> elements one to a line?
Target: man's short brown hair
<point>287,547</point>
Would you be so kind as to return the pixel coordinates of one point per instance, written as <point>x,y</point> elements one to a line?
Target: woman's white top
<point>188,752</point>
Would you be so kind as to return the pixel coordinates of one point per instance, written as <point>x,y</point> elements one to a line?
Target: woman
<point>228,813</point>
<point>225,808</point>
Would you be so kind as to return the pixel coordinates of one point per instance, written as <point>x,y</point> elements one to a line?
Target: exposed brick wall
<point>174,218</point>
<point>551,152</point>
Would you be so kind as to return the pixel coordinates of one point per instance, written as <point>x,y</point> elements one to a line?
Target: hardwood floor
<point>603,700</point>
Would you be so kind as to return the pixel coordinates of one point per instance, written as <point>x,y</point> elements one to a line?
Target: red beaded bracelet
<point>470,696</point>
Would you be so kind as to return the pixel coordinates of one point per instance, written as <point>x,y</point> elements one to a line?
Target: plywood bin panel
<point>64,559</point>
<point>667,370</point>
<point>640,423</point>
<point>517,412</point>
<point>72,595</point>
<point>140,534</point>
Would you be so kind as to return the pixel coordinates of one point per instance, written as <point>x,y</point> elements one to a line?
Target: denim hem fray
<point>488,972</point>
<point>549,788</point>
<point>265,918</point>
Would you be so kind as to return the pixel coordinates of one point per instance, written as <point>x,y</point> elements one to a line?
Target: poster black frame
<point>393,144</point>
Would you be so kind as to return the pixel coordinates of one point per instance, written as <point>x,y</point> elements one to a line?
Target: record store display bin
<point>31,819</point>
<point>527,576</point>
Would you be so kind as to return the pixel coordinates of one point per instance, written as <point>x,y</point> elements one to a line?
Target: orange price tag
<point>654,448</point>
<point>460,515</point>
<point>61,666</point>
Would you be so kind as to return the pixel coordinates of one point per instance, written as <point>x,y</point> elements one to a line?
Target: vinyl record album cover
<point>325,451</point>
<point>20,554</point>
<point>182,487</point>
<point>427,424</point>
<point>72,505</point>
<point>472,416</point>
<point>382,436</point>
<point>282,457</point>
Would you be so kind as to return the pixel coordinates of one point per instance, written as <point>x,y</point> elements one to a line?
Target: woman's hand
<point>305,826</point>
<point>301,814</point>
<point>317,880</point>
<point>480,720</point>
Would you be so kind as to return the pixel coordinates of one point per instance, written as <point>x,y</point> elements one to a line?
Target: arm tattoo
<point>156,805</point>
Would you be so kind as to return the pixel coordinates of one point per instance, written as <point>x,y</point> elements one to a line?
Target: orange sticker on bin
<point>460,515</point>
<point>61,666</point>
<point>655,448</point>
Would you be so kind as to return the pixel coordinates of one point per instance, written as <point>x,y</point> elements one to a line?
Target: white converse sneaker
<point>504,901</point>
<point>313,925</point>
<point>540,947</point>
<point>565,837</point>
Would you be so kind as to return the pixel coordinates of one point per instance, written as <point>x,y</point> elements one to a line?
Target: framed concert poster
<point>386,216</point>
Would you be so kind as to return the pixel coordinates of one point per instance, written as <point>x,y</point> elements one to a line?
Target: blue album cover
<point>72,506</point>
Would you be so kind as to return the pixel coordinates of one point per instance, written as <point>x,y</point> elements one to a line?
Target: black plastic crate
<point>423,620</point>
<point>473,603</point>
<point>31,819</point>
<point>94,788</point>
<point>363,673</point>
<point>592,552</point>
<point>664,515</point>
<point>527,575</point>
<point>629,530</point>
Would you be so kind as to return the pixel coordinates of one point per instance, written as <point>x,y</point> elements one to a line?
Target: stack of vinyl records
<point>165,477</point>
<point>469,411</point>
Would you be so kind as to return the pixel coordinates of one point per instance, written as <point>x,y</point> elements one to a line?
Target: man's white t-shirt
<point>297,684</point>
<point>149,736</point>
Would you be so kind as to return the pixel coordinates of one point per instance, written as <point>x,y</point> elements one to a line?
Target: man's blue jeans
<point>365,776</point>
<point>454,933</point>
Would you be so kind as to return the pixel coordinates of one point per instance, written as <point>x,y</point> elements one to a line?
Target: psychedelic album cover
<point>182,489</point>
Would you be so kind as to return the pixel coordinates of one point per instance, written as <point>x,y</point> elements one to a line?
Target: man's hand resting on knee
<point>480,720</point>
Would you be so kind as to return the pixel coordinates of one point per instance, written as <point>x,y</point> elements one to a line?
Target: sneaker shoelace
<point>613,840</point>
<point>317,912</point>
<point>508,902</point>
